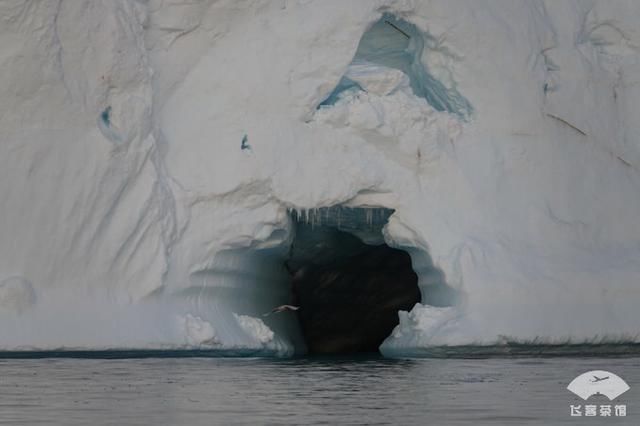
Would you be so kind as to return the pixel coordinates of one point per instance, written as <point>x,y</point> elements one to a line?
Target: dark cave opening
<point>348,283</point>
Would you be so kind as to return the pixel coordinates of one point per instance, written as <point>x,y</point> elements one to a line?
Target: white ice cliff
<point>154,154</point>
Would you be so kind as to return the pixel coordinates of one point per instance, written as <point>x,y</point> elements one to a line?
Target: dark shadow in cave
<point>348,283</point>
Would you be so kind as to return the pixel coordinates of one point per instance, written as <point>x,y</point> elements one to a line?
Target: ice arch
<point>349,284</point>
<point>336,265</point>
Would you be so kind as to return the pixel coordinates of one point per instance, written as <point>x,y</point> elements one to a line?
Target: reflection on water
<point>366,390</point>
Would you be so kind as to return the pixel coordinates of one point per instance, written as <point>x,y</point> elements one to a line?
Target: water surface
<point>364,390</point>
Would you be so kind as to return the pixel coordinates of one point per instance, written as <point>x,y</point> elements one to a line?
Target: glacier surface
<point>152,153</point>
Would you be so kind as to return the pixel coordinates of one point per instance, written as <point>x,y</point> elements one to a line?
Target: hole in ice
<point>105,116</point>
<point>393,43</point>
<point>348,284</point>
<point>105,125</point>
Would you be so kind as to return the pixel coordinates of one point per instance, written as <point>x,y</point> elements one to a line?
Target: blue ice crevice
<point>395,43</point>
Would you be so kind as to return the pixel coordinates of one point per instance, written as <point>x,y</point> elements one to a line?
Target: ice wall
<point>132,216</point>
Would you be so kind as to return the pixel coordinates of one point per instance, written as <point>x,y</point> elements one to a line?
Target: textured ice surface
<point>16,295</point>
<point>503,135</point>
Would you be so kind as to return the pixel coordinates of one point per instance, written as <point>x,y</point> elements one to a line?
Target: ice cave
<point>348,283</point>
<point>335,265</point>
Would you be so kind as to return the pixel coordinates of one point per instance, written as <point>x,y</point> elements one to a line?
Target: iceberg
<point>495,143</point>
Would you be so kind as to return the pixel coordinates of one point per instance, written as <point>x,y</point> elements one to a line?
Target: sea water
<point>164,389</point>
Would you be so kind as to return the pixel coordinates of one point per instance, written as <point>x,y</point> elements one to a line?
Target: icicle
<point>313,218</point>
